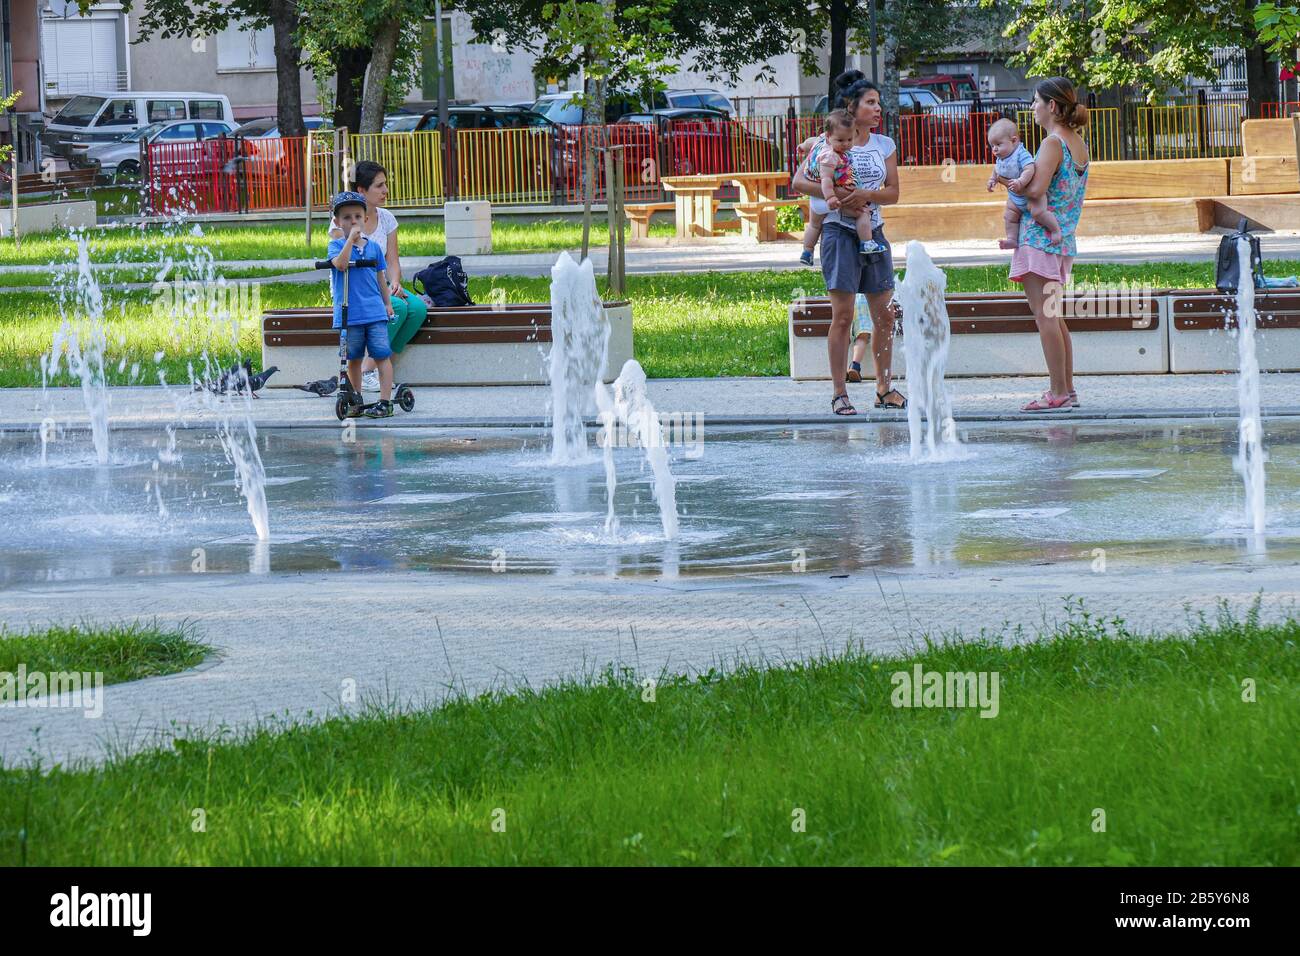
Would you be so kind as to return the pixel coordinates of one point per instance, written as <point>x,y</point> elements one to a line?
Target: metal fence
<point>240,174</point>
<point>546,165</point>
<point>1102,134</point>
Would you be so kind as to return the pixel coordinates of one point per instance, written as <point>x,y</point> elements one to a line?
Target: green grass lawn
<point>122,652</point>
<point>723,768</point>
<point>282,241</point>
<point>692,324</point>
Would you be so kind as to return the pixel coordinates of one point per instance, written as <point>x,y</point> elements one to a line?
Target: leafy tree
<point>721,36</point>
<point>195,18</point>
<point>1151,44</point>
<point>6,104</point>
<point>1279,31</point>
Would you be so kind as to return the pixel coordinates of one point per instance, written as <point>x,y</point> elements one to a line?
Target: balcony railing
<point>70,84</point>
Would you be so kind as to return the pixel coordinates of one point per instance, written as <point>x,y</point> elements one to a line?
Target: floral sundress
<point>1065,198</point>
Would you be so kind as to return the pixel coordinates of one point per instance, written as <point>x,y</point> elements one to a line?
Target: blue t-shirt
<point>1015,164</point>
<point>365,302</point>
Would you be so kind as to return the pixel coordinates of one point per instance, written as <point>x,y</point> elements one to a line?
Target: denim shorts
<point>371,337</point>
<point>846,270</point>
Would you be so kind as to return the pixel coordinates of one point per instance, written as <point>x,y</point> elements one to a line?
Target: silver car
<point>120,159</point>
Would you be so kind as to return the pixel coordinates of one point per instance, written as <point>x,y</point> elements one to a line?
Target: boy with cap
<point>369,305</point>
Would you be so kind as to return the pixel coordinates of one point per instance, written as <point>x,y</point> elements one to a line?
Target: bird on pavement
<point>322,387</point>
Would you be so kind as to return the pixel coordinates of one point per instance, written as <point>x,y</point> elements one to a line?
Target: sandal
<point>881,403</point>
<point>854,374</point>
<point>841,405</point>
<point>1048,403</point>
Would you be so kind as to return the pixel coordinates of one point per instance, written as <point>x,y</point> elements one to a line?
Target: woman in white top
<point>409,311</point>
<point>846,270</point>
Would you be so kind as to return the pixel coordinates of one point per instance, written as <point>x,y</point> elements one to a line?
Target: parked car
<point>909,101</point>
<point>560,107</point>
<point>121,159</point>
<point>486,117</point>
<point>699,98</point>
<point>268,127</point>
<point>404,123</point>
<point>106,117</point>
<point>509,104</point>
<point>947,86</point>
<point>696,141</point>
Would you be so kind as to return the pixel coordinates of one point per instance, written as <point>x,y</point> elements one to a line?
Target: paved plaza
<point>288,642</point>
<point>741,400</point>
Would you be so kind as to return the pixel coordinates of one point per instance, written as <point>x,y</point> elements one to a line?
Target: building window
<point>207,109</point>
<point>80,53</point>
<point>239,50</point>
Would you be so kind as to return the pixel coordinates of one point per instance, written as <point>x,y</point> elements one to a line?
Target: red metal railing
<point>930,139</point>
<point>234,174</point>
<point>641,160</point>
<point>1278,110</point>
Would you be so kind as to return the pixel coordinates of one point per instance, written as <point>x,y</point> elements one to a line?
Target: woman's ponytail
<point>1059,90</point>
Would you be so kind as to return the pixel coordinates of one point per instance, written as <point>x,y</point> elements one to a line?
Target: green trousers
<point>408,315</point>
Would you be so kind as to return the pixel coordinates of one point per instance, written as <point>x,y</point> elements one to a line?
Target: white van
<point>100,117</point>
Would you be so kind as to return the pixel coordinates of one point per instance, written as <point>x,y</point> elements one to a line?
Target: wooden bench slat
<point>1201,323</point>
<point>819,329</point>
<point>485,320</point>
<point>423,337</point>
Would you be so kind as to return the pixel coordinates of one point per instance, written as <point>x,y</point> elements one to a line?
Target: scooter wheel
<point>405,399</point>
<point>341,408</point>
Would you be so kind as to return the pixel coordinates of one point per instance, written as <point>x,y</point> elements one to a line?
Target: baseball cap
<point>347,198</point>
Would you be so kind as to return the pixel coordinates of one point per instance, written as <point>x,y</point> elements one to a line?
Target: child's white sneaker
<point>370,381</point>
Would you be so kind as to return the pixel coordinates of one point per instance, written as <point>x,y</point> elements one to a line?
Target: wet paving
<point>751,500</point>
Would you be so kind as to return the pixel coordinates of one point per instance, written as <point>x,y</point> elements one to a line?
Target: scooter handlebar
<point>356,264</point>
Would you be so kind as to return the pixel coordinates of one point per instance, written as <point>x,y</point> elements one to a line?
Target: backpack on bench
<point>1227,273</point>
<point>445,282</point>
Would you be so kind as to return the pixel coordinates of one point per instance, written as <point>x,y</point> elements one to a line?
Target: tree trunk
<point>349,72</point>
<point>288,96</point>
<point>889,124</point>
<point>377,74</point>
<point>1261,79</point>
<point>839,14</point>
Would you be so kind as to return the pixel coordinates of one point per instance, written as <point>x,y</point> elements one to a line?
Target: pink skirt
<point>1027,259</point>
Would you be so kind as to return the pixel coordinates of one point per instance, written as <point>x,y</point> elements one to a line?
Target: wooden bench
<point>994,333</point>
<point>57,181</point>
<point>464,345</point>
<point>1201,328</point>
<point>638,217</point>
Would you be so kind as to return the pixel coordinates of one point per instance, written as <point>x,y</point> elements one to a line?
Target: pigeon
<point>236,378</point>
<point>322,387</point>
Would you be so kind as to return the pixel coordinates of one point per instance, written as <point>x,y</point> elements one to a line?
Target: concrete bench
<point>465,345</point>
<point>994,333</point>
<point>1202,328</point>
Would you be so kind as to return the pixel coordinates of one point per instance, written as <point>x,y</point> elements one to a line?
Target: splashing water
<point>206,299</point>
<point>579,346</point>
<point>85,352</point>
<point>1249,463</point>
<point>926,334</point>
<point>629,418</point>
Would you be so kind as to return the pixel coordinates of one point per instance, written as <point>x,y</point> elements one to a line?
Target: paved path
<point>723,401</point>
<point>290,643</point>
<point>737,256</point>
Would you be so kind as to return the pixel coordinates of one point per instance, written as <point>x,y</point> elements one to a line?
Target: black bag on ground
<point>445,282</point>
<point>1227,273</point>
